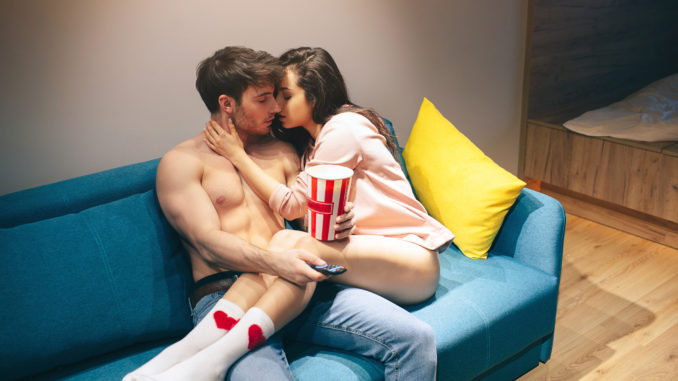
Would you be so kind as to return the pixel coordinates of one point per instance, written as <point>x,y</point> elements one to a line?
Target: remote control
<point>329,269</point>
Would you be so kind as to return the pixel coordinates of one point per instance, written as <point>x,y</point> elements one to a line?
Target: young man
<point>226,230</point>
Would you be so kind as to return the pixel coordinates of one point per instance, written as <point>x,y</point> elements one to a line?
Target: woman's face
<point>295,109</point>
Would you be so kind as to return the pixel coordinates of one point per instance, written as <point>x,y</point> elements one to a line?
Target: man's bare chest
<point>227,188</point>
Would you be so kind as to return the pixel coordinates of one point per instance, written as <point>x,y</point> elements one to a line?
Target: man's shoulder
<point>191,149</point>
<point>185,157</point>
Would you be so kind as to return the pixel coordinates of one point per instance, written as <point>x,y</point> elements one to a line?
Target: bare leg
<point>401,271</point>
<point>284,301</point>
<point>247,290</point>
<point>222,318</point>
<point>280,302</point>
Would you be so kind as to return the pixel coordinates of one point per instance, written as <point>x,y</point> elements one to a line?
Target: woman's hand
<point>225,143</point>
<point>345,222</point>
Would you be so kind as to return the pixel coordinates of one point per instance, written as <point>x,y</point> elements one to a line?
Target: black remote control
<point>329,269</point>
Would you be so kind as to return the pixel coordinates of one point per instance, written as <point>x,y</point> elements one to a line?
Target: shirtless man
<point>224,224</point>
<point>225,228</point>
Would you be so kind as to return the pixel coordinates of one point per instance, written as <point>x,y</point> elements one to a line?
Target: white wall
<point>91,85</point>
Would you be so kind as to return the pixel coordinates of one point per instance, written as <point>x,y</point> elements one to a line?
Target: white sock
<point>213,362</point>
<point>221,319</point>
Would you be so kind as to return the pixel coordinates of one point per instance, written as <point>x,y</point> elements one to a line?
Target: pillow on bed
<point>650,114</point>
<point>457,184</point>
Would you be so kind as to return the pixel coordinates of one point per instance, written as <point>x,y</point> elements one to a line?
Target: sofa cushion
<point>76,194</point>
<point>110,366</point>
<point>457,184</point>
<point>85,284</point>
<point>485,311</point>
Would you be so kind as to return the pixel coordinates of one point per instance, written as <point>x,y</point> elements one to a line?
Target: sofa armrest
<point>533,232</point>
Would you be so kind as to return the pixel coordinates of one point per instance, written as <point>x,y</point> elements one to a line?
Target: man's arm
<point>190,211</point>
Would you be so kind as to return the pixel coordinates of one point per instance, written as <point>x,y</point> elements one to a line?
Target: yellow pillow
<point>457,184</point>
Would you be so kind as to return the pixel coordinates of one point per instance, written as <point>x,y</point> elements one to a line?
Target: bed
<point>648,115</point>
<point>600,130</point>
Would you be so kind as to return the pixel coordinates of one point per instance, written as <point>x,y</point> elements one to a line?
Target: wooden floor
<point>617,310</point>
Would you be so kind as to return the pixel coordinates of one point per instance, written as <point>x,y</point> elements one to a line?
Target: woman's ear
<point>226,104</point>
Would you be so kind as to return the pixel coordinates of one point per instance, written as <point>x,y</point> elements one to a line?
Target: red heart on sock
<point>256,337</point>
<point>224,321</point>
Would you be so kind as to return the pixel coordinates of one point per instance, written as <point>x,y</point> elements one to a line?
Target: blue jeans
<point>345,318</point>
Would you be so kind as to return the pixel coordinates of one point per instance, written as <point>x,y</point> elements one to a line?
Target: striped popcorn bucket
<point>327,193</point>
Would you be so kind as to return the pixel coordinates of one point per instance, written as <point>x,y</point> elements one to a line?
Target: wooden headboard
<point>587,54</point>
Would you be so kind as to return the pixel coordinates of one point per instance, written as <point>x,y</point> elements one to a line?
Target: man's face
<point>257,108</point>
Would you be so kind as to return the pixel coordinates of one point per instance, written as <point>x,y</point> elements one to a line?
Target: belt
<point>212,283</point>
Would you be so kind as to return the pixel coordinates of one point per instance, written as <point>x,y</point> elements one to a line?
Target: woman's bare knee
<point>420,280</point>
<point>428,270</point>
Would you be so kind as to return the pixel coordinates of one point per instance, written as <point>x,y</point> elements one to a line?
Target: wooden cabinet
<point>582,55</point>
<point>642,177</point>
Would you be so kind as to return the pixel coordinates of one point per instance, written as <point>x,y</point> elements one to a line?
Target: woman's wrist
<point>240,158</point>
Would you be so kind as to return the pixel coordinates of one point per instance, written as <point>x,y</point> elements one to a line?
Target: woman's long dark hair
<point>324,86</point>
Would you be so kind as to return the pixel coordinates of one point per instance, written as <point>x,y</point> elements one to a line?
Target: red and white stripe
<point>322,196</point>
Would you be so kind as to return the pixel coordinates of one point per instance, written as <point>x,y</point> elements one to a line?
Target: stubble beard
<point>244,124</point>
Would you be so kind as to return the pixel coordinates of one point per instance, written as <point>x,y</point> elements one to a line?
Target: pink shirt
<point>383,199</point>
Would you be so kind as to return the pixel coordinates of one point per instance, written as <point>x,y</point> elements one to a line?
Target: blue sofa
<point>94,282</point>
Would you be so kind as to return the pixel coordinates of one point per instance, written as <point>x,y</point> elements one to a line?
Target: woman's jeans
<point>345,318</point>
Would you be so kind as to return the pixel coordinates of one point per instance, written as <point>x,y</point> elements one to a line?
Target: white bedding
<point>650,114</point>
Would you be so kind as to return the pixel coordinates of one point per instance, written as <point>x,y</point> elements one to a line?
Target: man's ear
<point>226,104</point>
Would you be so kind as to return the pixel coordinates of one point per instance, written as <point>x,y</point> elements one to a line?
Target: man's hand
<point>345,222</point>
<point>292,265</point>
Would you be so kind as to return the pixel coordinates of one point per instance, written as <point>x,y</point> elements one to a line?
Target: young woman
<point>393,233</point>
<point>393,251</point>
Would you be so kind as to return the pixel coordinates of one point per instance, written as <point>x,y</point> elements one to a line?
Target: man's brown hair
<point>232,70</point>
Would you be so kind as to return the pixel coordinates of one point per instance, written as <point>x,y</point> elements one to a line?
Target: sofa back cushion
<point>80,285</point>
<point>76,194</point>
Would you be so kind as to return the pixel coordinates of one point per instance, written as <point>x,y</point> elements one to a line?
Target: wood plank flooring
<point>617,313</point>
